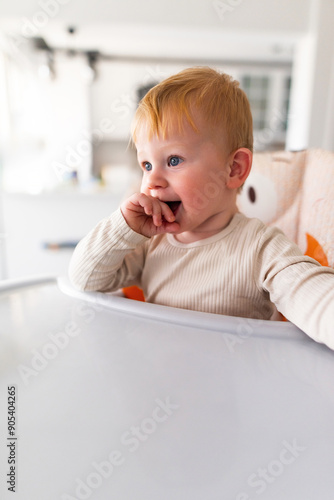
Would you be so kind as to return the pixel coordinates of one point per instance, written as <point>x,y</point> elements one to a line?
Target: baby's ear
<point>240,165</point>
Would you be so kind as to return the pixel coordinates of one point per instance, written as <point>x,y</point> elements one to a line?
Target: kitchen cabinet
<point>114,97</point>
<point>40,230</point>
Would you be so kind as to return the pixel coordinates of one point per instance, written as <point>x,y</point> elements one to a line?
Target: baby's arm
<point>111,256</point>
<point>301,289</point>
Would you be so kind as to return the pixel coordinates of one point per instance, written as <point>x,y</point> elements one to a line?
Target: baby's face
<point>188,171</point>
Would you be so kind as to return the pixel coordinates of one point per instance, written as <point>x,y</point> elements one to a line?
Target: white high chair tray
<point>130,401</point>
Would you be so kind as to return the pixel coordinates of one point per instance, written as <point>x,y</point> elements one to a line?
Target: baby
<point>182,238</point>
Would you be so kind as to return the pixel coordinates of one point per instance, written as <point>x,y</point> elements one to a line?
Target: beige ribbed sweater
<point>240,271</point>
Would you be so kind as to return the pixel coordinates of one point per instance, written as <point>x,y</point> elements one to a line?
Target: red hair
<point>216,96</point>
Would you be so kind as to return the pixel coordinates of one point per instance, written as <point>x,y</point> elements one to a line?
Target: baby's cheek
<point>200,195</point>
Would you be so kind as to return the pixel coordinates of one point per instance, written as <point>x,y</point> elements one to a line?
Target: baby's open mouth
<point>173,205</point>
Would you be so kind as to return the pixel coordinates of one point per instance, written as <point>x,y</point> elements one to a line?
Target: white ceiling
<point>287,15</point>
<point>101,22</point>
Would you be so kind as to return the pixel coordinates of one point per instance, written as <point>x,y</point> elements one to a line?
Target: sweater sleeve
<point>111,256</point>
<point>301,289</point>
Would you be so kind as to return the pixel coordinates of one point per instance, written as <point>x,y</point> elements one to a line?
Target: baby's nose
<point>156,180</point>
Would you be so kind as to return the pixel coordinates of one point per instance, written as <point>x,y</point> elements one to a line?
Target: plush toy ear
<point>315,250</point>
<point>240,165</point>
<point>134,293</point>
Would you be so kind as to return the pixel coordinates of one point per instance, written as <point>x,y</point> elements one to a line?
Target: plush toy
<point>295,192</point>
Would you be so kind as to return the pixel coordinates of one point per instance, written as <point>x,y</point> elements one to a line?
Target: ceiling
<point>203,29</point>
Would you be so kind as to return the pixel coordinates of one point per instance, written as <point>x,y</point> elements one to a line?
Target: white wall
<point>322,105</point>
<point>312,99</point>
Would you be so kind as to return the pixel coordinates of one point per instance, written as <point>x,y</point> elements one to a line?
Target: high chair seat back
<point>295,192</point>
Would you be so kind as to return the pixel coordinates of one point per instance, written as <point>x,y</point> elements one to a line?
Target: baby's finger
<point>167,212</point>
<point>157,212</point>
<point>146,203</point>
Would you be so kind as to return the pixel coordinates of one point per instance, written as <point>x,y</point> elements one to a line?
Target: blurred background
<point>71,75</point>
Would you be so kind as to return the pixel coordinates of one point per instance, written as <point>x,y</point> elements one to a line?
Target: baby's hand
<point>148,216</point>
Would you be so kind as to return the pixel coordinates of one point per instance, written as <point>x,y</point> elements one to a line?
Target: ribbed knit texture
<point>240,271</point>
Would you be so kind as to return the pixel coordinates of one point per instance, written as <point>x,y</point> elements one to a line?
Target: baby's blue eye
<point>174,161</point>
<point>147,166</point>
